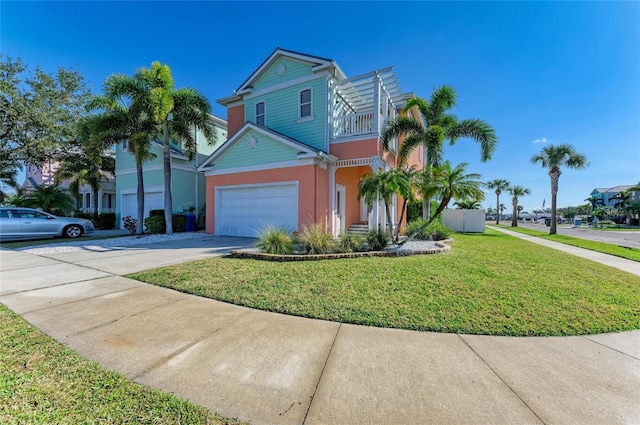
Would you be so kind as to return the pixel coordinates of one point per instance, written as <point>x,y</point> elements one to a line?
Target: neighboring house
<point>188,189</point>
<point>301,135</point>
<point>606,193</point>
<point>36,176</point>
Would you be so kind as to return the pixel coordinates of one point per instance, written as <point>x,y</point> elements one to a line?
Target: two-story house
<point>301,135</point>
<point>608,194</point>
<point>188,186</point>
<point>44,175</point>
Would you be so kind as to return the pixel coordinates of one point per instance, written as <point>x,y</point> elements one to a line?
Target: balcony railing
<point>354,124</point>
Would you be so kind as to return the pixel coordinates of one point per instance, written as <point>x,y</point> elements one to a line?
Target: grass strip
<point>492,284</point>
<point>44,382</point>
<point>605,248</point>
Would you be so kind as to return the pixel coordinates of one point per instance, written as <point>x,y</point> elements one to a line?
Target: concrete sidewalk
<point>276,369</point>
<point>623,264</point>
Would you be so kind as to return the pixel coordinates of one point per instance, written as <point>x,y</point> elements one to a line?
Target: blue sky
<point>539,72</point>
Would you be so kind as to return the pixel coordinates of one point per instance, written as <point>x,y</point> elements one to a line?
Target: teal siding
<point>266,151</point>
<point>295,69</point>
<point>282,113</point>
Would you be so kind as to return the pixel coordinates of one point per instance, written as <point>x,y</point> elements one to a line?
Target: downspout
<point>197,205</point>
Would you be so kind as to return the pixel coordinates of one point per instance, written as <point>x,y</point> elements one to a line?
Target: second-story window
<point>260,113</point>
<point>305,103</point>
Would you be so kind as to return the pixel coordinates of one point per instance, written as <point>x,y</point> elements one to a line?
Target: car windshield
<point>33,214</point>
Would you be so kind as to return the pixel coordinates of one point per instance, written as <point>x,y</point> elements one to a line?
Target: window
<point>125,144</point>
<point>305,103</point>
<point>260,113</point>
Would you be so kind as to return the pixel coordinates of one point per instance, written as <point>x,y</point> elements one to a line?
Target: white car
<point>18,223</point>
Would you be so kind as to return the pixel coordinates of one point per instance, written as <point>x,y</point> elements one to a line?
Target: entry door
<point>340,208</point>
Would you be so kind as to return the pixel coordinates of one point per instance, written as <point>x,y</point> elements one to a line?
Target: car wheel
<point>72,231</point>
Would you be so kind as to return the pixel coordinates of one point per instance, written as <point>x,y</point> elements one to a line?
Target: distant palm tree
<point>499,185</point>
<point>502,208</point>
<point>594,201</point>
<point>516,192</point>
<point>553,158</point>
<point>465,204</point>
<point>437,125</point>
<point>448,183</point>
<point>622,199</point>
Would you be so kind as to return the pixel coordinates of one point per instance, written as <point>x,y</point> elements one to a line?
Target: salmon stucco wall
<point>313,183</point>
<point>355,149</point>
<point>235,119</point>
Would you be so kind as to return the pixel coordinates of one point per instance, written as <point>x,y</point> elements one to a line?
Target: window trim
<point>309,117</point>
<point>264,112</point>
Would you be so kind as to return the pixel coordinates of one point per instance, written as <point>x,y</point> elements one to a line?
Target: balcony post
<point>376,104</point>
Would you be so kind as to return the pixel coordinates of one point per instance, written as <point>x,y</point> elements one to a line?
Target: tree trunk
<point>555,177</point>
<point>140,194</point>
<point>498,207</point>
<point>514,217</point>
<point>168,202</point>
<point>404,207</point>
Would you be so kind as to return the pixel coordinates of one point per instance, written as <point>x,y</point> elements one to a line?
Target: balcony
<point>363,105</point>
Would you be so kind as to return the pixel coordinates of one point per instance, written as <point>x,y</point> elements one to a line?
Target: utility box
<point>465,221</point>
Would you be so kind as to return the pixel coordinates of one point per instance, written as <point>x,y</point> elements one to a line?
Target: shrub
<point>154,224</point>
<point>377,240</point>
<point>179,223</point>
<point>316,240</point>
<point>107,221</point>
<point>275,240</point>
<point>130,224</point>
<point>351,242</point>
<point>436,231</point>
<point>156,213</point>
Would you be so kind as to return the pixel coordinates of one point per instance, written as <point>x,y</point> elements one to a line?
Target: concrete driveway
<point>276,369</point>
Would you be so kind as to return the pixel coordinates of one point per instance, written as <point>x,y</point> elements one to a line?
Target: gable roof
<point>304,150</point>
<point>318,64</point>
<point>615,189</point>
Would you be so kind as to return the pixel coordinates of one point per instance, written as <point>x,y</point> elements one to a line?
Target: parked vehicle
<point>18,223</point>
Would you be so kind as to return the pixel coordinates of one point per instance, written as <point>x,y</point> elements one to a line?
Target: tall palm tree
<point>437,125</point>
<point>383,186</point>
<point>448,183</point>
<point>177,113</point>
<point>553,157</point>
<point>499,185</point>
<point>124,120</point>
<point>622,199</point>
<point>516,192</point>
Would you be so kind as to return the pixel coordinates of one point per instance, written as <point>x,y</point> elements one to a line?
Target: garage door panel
<point>245,211</point>
<point>152,201</point>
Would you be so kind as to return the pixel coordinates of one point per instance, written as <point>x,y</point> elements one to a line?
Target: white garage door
<point>246,210</point>
<point>152,201</point>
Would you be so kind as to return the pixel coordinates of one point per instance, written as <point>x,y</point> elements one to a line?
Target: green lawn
<point>488,284</point>
<point>43,382</point>
<point>605,248</point>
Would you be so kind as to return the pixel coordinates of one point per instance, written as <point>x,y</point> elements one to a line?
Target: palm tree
<point>499,185</point>
<point>88,162</point>
<point>594,201</point>
<point>124,120</point>
<point>516,192</point>
<point>448,183</point>
<point>436,126</point>
<point>502,207</point>
<point>467,204</point>
<point>622,199</point>
<point>384,185</point>
<point>177,113</point>
<point>51,198</point>
<point>552,158</point>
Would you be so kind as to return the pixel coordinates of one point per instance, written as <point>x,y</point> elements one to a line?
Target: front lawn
<point>605,248</point>
<point>488,284</point>
<point>43,382</point>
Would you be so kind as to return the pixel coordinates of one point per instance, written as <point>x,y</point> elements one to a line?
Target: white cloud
<point>543,140</point>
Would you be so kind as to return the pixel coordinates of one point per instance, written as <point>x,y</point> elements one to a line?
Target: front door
<point>340,208</point>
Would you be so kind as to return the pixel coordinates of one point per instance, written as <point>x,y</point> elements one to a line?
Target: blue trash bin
<point>191,222</point>
<point>547,222</point>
